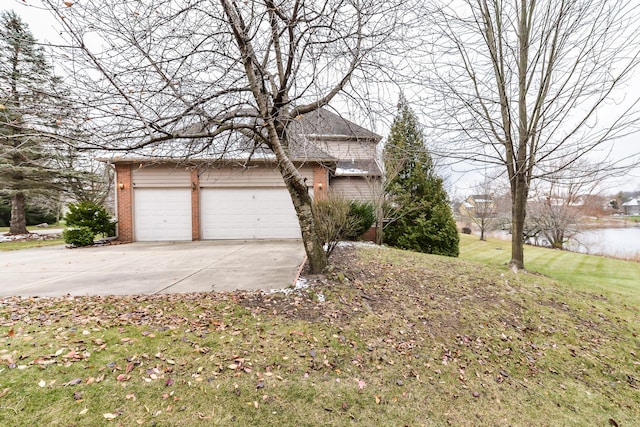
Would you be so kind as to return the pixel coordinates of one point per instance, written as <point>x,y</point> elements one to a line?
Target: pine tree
<point>30,108</point>
<point>421,218</point>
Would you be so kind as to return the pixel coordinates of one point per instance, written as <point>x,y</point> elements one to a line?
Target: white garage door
<point>248,213</point>
<point>162,214</point>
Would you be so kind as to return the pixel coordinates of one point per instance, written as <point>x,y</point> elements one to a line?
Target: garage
<point>162,214</point>
<point>247,213</point>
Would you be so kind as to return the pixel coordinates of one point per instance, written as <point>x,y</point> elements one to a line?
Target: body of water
<point>615,242</point>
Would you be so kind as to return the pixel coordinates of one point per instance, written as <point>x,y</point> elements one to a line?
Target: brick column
<point>195,205</point>
<point>124,197</point>
<point>320,182</point>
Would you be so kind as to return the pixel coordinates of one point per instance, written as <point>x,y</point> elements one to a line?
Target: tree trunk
<point>302,203</point>
<point>518,215</point>
<point>312,245</point>
<point>18,223</point>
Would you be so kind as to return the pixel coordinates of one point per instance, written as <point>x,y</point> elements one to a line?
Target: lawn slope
<point>592,272</point>
<point>387,338</point>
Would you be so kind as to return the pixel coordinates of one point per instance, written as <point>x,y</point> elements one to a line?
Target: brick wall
<point>320,182</point>
<point>124,197</point>
<point>195,205</point>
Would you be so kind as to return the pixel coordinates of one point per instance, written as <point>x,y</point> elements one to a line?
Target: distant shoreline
<point>592,223</point>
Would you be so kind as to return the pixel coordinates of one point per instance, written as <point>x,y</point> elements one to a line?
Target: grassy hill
<point>583,271</point>
<point>387,338</point>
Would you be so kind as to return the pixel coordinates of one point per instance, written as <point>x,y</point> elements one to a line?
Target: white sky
<point>43,27</point>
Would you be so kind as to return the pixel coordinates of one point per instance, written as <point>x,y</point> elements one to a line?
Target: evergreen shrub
<point>81,236</point>
<point>93,216</point>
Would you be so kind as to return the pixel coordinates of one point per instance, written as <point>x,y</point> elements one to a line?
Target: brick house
<point>239,196</point>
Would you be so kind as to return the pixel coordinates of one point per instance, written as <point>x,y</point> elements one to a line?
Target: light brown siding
<point>161,176</point>
<point>259,176</point>
<point>349,149</point>
<point>356,188</point>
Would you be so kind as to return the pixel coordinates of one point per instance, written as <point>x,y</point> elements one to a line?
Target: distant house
<point>478,205</point>
<point>632,207</point>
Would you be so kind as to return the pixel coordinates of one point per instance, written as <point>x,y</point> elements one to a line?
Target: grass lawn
<point>34,229</point>
<point>583,271</point>
<point>14,246</point>
<point>388,338</point>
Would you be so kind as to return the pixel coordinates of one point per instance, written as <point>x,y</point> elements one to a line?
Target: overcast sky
<point>43,26</point>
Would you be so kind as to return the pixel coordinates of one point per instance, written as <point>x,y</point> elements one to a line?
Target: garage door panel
<point>248,213</point>
<point>162,214</point>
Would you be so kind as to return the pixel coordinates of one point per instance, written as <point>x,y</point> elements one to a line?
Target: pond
<point>615,242</point>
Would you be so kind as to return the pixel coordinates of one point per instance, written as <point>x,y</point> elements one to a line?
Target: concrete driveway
<point>150,268</point>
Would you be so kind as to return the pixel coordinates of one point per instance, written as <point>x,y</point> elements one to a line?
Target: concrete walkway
<point>150,268</point>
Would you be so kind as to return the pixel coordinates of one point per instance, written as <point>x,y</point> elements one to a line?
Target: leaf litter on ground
<point>416,334</point>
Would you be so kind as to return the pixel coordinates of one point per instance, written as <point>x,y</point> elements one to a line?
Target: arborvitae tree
<point>421,218</point>
<point>30,109</point>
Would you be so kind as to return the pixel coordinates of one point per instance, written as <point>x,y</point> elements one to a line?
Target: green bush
<point>93,216</point>
<point>429,229</point>
<point>333,221</point>
<point>81,236</point>
<point>363,216</point>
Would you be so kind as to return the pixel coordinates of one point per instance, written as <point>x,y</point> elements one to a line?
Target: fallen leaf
<point>42,383</point>
<point>68,3</point>
<point>84,411</point>
<point>74,381</point>
<point>110,416</point>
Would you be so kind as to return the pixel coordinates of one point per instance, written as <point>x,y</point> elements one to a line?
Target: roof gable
<point>304,133</point>
<point>324,123</point>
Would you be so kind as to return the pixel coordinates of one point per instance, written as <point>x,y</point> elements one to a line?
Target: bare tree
<point>481,208</point>
<point>560,204</point>
<point>207,77</point>
<point>89,180</point>
<point>524,84</point>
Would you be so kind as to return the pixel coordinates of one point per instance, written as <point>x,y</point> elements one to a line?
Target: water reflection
<point>615,242</point>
